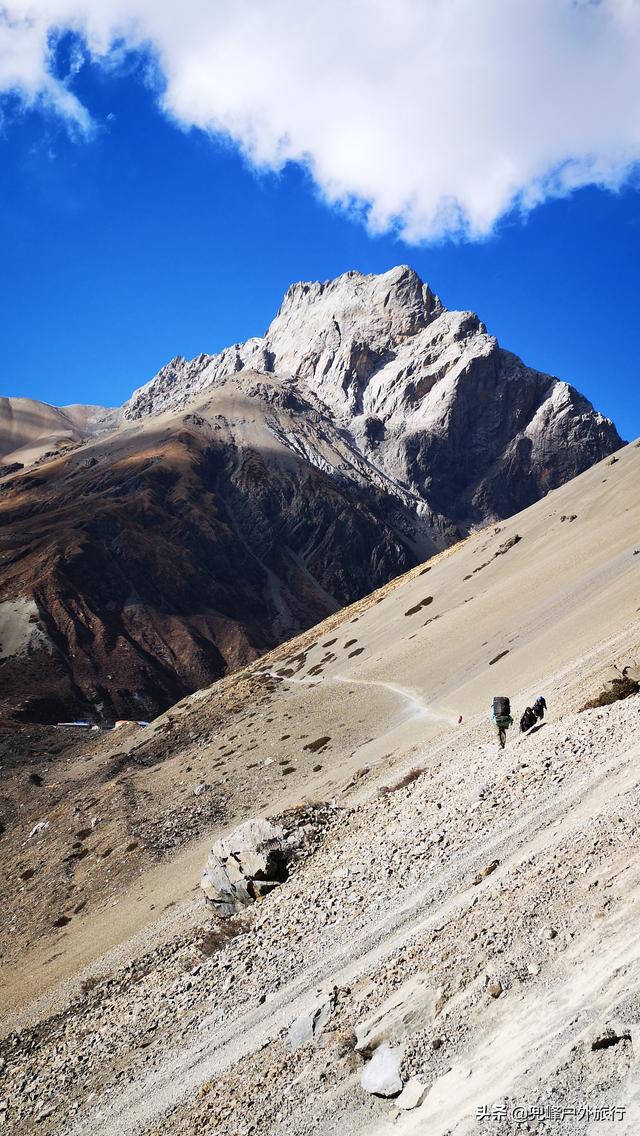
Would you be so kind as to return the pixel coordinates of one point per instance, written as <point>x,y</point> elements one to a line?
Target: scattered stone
<point>44,1114</point>
<point>515,539</point>
<point>413,1094</point>
<point>486,871</point>
<point>318,744</point>
<point>495,989</point>
<point>612,1033</point>
<point>309,1026</point>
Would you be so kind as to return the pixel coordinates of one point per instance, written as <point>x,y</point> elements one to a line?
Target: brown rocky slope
<point>157,559</point>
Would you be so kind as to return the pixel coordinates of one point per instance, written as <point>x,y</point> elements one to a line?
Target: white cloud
<point>432,116</point>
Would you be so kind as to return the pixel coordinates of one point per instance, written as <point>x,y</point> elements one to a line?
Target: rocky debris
<point>386,893</point>
<point>612,1033</point>
<point>244,866</point>
<point>305,827</point>
<point>309,1026</point>
<point>176,825</point>
<point>412,1095</point>
<point>381,1074</point>
<point>410,1009</point>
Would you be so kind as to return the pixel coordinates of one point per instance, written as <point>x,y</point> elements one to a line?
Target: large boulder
<point>244,866</point>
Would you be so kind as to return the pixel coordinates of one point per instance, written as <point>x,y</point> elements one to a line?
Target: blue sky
<point>145,240</point>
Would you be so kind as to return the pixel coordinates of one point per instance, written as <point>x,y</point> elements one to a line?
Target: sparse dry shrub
<point>346,1041</point>
<point>618,689</point>
<point>216,937</point>
<point>402,783</point>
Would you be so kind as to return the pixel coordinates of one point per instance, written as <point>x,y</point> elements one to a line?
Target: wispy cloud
<point>432,117</point>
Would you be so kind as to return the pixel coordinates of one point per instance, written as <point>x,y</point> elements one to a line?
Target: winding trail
<point>417,708</point>
<point>414,704</point>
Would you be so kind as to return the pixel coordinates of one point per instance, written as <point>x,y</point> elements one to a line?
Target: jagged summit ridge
<point>424,393</point>
<point>324,329</point>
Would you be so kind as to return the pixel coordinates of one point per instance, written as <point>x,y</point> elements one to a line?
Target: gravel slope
<point>507,881</point>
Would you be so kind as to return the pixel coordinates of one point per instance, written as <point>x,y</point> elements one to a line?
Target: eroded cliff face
<point>246,495</point>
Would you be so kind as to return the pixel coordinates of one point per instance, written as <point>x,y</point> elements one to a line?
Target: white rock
<point>381,1075</point>
<point>39,827</point>
<point>310,1026</point>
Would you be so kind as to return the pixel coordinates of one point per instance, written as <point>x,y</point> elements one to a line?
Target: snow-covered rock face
<point>427,395</point>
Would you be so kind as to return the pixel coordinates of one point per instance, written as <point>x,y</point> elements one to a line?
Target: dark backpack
<point>501,708</point>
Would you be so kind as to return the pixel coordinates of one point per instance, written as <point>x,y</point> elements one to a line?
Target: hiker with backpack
<point>501,717</point>
<point>528,719</point>
<point>539,707</point>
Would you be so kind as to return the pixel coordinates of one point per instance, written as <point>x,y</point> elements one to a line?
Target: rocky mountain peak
<point>368,428</point>
<point>394,303</point>
<point>425,395</point>
<point>335,335</point>
<point>331,335</point>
